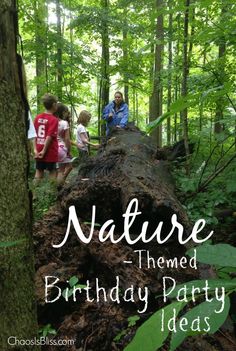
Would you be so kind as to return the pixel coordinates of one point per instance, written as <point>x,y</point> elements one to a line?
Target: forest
<point>136,251</point>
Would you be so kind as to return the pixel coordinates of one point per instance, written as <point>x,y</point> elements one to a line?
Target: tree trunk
<point>18,310</point>
<point>184,80</point>
<point>220,104</point>
<point>40,15</point>
<point>156,98</point>
<point>170,64</point>
<point>59,51</point>
<point>125,58</point>
<point>105,61</point>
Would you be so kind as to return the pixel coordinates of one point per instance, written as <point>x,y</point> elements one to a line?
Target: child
<point>46,145</point>
<point>82,138</point>
<point>64,158</point>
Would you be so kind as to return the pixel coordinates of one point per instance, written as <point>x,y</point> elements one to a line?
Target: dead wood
<point>124,169</point>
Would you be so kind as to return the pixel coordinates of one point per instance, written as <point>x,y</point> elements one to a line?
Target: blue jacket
<point>120,117</point>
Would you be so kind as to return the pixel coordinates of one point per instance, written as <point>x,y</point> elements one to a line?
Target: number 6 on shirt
<point>41,131</point>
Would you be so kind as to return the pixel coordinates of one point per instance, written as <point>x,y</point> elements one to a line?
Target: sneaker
<point>75,161</point>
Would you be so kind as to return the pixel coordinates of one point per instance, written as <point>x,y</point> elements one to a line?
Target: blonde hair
<point>84,117</point>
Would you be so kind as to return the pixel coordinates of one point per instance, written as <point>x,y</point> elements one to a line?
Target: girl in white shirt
<point>82,138</point>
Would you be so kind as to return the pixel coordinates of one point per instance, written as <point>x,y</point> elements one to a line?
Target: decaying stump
<point>124,169</point>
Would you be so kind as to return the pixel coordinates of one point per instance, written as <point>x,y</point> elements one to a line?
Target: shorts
<point>42,165</point>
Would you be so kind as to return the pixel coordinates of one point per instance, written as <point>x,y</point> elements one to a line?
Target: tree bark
<point>40,15</point>
<point>220,103</point>
<point>170,64</point>
<point>59,51</point>
<point>125,65</point>
<point>184,114</point>
<point>18,310</point>
<point>156,98</point>
<point>105,60</point>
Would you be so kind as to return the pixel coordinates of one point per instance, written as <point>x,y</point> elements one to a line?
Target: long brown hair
<point>61,108</point>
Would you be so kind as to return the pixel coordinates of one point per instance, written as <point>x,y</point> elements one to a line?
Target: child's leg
<point>67,170</point>
<point>52,169</point>
<point>39,173</point>
<point>60,174</point>
<point>53,174</point>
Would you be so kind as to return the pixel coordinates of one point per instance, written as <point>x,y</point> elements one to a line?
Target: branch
<point>214,175</point>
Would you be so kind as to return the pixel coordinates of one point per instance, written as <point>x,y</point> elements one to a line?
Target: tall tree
<point>156,98</point>
<point>125,57</point>
<point>170,59</point>
<point>184,114</point>
<point>59,50</point>
<point>18,312</point>
<point>40,16</point>
<point>220,74</point>
<point>105,61</point>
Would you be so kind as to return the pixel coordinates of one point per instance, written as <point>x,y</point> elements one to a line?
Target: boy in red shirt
<point>46,147</point>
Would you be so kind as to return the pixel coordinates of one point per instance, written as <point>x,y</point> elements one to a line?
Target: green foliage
<point>44,196</point>
<point>66,293</point>
<point>11,243</point>
<point>47,330</point>
<point>132,320</point>
<point>219,254</point>
<point>147,336</point>
<point>177,106</point>
<point>95,224</point>
<point>220,192</point>
<point>204,310</point>
<point>200,319</point>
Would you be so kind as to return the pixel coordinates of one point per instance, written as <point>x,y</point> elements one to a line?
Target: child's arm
<point>42,153</point>
<point>125,117</point>
<point>72,142</point>
<point>67,139</point>
<point>35,148</point>
<point>86,141</point>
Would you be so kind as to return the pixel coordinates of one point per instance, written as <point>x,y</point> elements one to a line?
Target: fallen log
<point>126,168</point>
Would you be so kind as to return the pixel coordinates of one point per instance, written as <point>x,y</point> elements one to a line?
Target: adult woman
<point>116,113</point>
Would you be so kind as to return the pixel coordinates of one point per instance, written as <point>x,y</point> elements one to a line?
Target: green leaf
<point>227,269</point>
<point>147,336</point>
<point>223,275</point>
<point>186,288</point>
<point>178,106</point>
<point>73,280</point>
<point>219,254</point>
<point>81,286</point>
<point>52,331</point>
<point>132,320</point>
<point>120,335</point>
<point>95,224</point>
<point>12,243</point>
<point>196,321</point>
